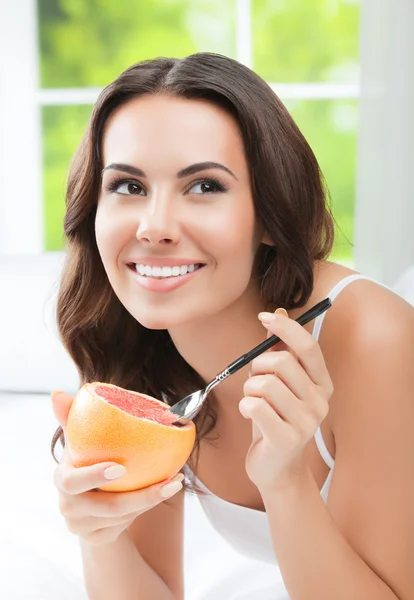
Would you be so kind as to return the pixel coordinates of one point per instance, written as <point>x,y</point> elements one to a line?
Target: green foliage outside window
<point>306,40</point>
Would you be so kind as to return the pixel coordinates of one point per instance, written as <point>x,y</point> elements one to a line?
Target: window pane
<point>63,128</point>
<point>87,43</point>
<point>330,127</point>
<point>306,40</point>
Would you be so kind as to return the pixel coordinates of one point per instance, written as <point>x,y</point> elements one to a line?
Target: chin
<point>155,325</point>
<point>160,322</point>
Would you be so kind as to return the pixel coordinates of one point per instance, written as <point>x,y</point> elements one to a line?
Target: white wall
<point>21,211</point>
<point>384,217</point>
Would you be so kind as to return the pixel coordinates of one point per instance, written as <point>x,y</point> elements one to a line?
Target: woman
<point>195,163</point>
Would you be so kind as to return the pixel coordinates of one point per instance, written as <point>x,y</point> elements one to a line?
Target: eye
<point>207,186</point>
<point>125,187</point>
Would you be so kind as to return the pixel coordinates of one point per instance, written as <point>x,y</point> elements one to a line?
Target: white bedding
<point>40,559</point>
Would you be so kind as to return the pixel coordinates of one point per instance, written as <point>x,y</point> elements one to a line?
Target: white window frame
<point>21,203</point>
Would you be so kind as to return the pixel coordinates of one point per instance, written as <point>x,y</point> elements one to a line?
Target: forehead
<point>153,127</point>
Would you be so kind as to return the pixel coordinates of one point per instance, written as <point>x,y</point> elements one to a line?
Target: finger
<point>77,480</point>
<point>61,404</point>
<point>284,366</point>
<point>262,415</point>
<point>91,523</point>
<point>278,396</point>
<point>108,504</point>
<point>280,346</point>
<point>305,346</point>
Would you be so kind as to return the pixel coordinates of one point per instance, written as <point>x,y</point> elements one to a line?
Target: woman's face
<point>175,193</point>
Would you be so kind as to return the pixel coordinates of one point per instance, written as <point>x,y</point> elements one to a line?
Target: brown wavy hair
<point>106,343</point>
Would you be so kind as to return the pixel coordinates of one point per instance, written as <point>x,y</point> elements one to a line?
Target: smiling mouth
<point>164,272</point>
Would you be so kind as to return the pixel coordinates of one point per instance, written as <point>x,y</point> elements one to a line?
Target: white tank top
<point>246,529</point>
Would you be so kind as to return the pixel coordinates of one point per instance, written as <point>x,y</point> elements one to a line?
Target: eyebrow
<point>190,170</point>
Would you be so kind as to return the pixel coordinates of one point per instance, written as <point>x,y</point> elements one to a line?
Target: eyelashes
<point>217,185</point>
<point>114,185</point>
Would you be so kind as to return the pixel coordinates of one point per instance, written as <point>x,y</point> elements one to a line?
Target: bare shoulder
<point>368,344</point>
<point>367,339</point>
<point>366,317</point>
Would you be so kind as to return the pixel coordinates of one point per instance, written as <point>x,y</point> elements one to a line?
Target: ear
<point>266,239</point>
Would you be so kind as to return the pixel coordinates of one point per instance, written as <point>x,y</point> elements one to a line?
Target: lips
<point>162,284</point>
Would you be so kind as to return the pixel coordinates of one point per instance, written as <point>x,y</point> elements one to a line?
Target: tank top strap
<point>323,450</point>
<point>320,443</point>
<point>332,295</point>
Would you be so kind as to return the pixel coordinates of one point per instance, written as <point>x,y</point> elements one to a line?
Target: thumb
<point>61,404</point>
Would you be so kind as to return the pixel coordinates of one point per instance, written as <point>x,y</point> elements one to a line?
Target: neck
<point>209,346</point>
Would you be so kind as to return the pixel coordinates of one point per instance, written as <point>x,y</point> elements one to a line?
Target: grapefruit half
<point>109,423</point>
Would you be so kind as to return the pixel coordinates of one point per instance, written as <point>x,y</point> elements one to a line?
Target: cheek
<point>236,238</point>
<point>109,245</point>
<point>109,235</point>
<point>232,243</point>
<point>103,236</point>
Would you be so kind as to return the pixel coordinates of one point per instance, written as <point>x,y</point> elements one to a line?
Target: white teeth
<point>163,272</point>
<point>166,271</point>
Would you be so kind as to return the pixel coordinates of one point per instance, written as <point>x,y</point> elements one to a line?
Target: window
<point>112,36</point>
<point>306,49</point>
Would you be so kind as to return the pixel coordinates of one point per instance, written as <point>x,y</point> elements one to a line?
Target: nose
<point>158,225</point>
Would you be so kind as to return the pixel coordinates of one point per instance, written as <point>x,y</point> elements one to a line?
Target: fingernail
<point>177,477</point>
<point>266,317</point>
<point>169,489</point>
<point>114,472</point>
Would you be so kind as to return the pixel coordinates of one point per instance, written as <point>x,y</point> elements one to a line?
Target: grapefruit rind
<point>99,432</point>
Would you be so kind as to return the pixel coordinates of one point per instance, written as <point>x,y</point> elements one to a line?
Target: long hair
<point>106,343</point>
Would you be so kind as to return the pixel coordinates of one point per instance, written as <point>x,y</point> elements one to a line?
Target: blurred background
<point>342,67</point>
<point>345,71</point>
<point>336,64</point>
<point>306,49</point>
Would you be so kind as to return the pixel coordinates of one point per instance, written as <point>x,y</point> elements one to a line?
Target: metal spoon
<point>187,408</point>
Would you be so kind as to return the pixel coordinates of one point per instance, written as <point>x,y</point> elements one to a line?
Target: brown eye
<point>129,188</point>
<point>207,186</point>
<point>125,188</point>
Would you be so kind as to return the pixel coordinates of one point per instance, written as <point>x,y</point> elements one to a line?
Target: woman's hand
<point>286,397</point>
<point>100,518</point>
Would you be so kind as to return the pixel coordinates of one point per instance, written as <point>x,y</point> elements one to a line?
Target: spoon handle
<point>309,315</point>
